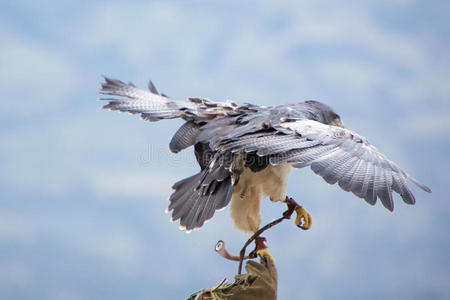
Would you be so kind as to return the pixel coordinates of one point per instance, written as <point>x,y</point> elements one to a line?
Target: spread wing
<point>153,106</point>
<point>337,154</point>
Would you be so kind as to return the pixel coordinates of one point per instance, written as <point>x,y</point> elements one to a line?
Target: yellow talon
<point>265,254</point>
<point>303,214</point>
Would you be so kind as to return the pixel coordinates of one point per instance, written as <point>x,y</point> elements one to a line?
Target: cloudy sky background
<point>83,191</point>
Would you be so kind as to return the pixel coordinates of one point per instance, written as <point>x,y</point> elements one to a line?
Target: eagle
<point>247,152</point>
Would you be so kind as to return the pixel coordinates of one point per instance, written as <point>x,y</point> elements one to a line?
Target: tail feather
<point>183,190</point>
<point>194,203</point>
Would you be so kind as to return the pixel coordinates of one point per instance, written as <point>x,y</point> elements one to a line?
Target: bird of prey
<point>247,152</point>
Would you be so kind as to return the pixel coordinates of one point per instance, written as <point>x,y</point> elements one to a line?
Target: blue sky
<point>83,191</point>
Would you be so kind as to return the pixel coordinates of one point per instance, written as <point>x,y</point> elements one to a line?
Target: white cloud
<point>59,292</point>
<point>15,274</point>
<point>144,30</point>
<point>125,184</point>
<point>118,247</point>
<point>58,156</point>
<point>429,126</point>
<point>354,26</point>
<point>14,227</point>
<point>35,76</point>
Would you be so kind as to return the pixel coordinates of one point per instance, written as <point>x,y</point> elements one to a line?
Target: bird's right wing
<point>336,154</point>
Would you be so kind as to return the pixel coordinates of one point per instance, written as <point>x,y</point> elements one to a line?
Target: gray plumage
<point>229,138</point>
<point>185,137</point>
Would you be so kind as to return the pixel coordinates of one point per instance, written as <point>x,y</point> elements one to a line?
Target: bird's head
<point>324,113</point>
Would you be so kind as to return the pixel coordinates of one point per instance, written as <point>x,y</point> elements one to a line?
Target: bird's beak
<point>337,122</point>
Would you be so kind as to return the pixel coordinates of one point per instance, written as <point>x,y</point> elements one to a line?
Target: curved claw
<point>264,254</point>
<point>303,214</point>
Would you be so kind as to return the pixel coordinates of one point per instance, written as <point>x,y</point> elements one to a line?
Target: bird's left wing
<point>153,106</point>
<point>337,154</point>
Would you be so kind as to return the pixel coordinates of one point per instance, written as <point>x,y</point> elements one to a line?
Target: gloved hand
<point>260,283</point>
